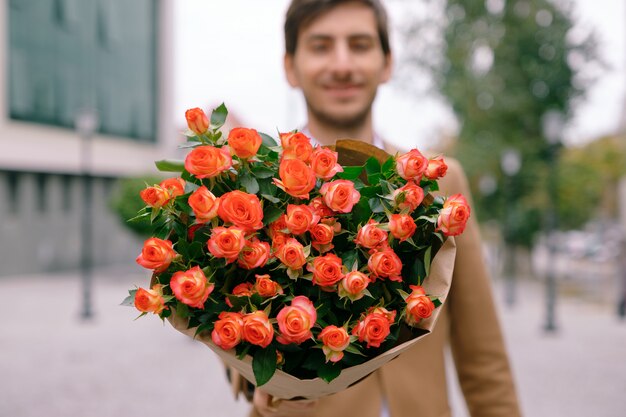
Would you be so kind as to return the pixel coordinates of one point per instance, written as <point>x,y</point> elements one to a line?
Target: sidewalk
<point>52,364</point>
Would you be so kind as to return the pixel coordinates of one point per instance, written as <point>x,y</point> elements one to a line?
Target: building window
<point>68,54</point>
<point>66,193</point>
<point>12,187</point>
<point>41,196</point>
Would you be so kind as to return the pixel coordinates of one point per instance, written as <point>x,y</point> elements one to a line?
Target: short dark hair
<point>303,12</point>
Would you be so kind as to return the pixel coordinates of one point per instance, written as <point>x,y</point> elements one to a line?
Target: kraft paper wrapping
<point>285,386</point>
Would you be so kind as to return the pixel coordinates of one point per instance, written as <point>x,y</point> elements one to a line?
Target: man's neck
<point>327,135</point>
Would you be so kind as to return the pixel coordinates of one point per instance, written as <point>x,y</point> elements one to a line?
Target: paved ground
<point>55,365</point>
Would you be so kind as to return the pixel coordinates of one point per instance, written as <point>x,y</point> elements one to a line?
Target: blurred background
<point>530,96</point>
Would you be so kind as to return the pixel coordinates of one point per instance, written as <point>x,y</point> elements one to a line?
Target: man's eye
<point>319,47</point>
<point>360,46</point>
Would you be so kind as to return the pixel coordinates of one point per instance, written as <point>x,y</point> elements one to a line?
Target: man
<point>337,53</point>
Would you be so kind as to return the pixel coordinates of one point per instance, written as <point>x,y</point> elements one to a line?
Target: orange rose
<point>197,120</point>
<point>322,235</point>
<point>453,216</point>
<point>278,226</point>
<point>245,143</point>
<point>340,195</point>
<point>296,145</point>
<point>155,196</point>
<point>296,178</point>
<point>257,329</point>
<point>374,327</point>
<point>291,253</point>
<point>241,209</point>
<point>327,270</point>
<point>418,306</point>
<point>295,321</point>
<point>157,254</point>
<point>371,236</point>
<point>265,287</point>
<point>226,242</point>
<point>411,165</point>
<point>321,209</point>
<point>300,218</point>
<point>409,196</point>
<point>228,330</point>
<point>254,254</point>
<point>437,168</point>
<point>175,186</point>
<point>385,263</point>
<point>402,226</point>
<point>324,163</point>
<point>245,289</point>
<point>335,340</point>
<point>150,301</point>
<point>204,204</point>
<point>191,287</point>
<point>207,161</point>
<point>353,285</point>
<point>279,240</point>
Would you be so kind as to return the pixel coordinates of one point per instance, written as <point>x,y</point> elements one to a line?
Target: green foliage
<point>504,72</point>
<point>126,203</point>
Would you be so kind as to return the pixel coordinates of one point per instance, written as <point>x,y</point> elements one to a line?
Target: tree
<point>510,71</point>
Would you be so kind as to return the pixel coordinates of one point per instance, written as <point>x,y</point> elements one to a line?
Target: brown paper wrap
<point>285,386</point>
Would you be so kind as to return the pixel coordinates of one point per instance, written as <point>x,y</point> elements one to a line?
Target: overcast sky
<point>232,51</point>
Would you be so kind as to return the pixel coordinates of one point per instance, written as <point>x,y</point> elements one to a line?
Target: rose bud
<point>191,287</point>
<point>204,204</point>
<point>291,254</point>
<point>208,161</point>
<point>335,340</point>
<point>324,163</point>
<point>245,143</point>
<point>340,195</point>
<point>327,270</point>
<point>370,236</point>
<point>385,263</point>
<point>174,186</point>
<point>436,169</point>
<point>409,196</point>
<point>402,226</point>
<point>157,254</point>
<point>265,287</point>
<point>453,216</point>
<point>296,178</point>
<point>300,218</point>
<point>155,196</point>
<point>254,254</point>
<point>418,305</point>
<point>197,120</point>
<point>226,242</point>
<point>296,145</point>
<point>411,165</point>
<point>353,285</point>
<point>242,210</point>
<point>150,301</point>
<point>374,327</point>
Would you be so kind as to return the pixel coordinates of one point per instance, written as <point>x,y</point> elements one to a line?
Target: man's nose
<point>343,61</point>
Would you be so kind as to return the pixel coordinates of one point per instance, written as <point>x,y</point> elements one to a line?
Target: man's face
<point>339,64</point>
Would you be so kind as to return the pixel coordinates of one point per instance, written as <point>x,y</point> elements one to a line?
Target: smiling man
<point>338,54</point>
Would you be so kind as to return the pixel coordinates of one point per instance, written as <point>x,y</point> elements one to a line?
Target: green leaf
<point>271,213</point>
<point>376,205</point>
<point>388,168</point>
<point>263,172</point>
<point>270,198</point>
<point>218,116</point>
<point>130,300</point>
<point>170,165</point>
<point>182,310</point>
<point>350,173</point>
<point>264,365</point>
<point>329,371</point>
<point>250,183</point>
<point>427,260</point>
<point>349,258</point>
<point>267,140</point>
<point>372,166</point>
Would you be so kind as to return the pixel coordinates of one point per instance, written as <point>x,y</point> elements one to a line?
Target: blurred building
<point>62,58</point>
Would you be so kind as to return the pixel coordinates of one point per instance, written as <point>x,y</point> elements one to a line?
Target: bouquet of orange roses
<point>294,268</point>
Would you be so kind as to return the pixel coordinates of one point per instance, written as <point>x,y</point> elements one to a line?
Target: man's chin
<point>342,118</point>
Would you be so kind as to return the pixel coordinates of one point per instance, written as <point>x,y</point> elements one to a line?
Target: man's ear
<point>290,71</point>
<point>388,68</point>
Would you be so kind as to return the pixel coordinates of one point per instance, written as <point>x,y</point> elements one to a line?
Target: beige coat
<point>415,383</point>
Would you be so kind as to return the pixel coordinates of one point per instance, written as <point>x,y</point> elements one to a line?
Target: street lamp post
<point>511,163</point>
<point>552,123</point>
<point>86,124</point>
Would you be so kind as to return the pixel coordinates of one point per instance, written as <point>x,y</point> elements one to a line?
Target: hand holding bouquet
<point>288,264</point>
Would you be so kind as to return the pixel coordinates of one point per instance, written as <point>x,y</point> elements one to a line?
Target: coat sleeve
<point>476,339</point>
